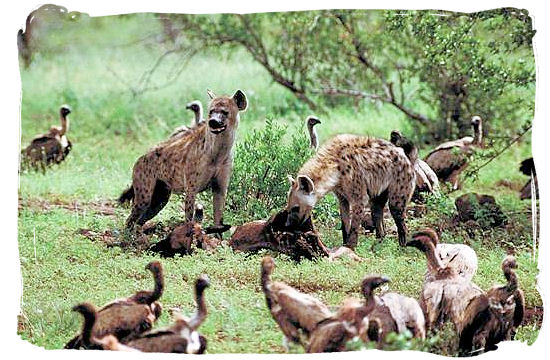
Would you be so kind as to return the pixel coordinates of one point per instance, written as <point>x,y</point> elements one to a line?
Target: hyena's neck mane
<point>217,144</point>
<point>200,142</point>
<point>322,169</point>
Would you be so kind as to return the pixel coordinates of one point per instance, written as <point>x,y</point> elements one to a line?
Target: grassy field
<point>110,129</point>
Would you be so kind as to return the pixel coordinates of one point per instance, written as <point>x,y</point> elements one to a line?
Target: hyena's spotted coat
<point>198,160</point>
<point>361,171</point>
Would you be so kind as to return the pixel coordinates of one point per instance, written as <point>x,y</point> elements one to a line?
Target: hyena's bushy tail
<point>127,195</point>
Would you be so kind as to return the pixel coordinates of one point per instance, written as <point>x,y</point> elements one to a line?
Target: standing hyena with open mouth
<point>360,171</point>
<point>198,160</point>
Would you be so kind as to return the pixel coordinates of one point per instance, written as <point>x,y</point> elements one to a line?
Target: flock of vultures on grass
<point>376,182</point>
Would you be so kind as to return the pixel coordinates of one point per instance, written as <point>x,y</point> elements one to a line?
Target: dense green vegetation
<point>97,65</point>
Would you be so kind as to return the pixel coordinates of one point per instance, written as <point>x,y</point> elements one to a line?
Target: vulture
<point>461,258</point>
<point>445,294</point>
<point>182,336</point>
<point>426,179</point>
<point>501,315</point>
<point>311,121</point>
<point>449,159</point>
<point>371,319</point>
<point>128,317</point>
<point>196,107</point>
<point>296,313</point>
<point>450,296</point>
<point>51,147</point>
<point>89,342</point>
<point>527,167</point>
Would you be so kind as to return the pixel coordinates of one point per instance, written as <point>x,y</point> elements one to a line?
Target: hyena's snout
<point>217,124</point>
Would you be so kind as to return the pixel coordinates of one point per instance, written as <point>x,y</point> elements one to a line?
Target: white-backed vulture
<point>51,147</point>
<point>426,178</point>
<point>406,313</point>
<point>460,257</point>
<point>296,313</point>
<point>182,336</point>
<point>89,342</point>
<point>500,316</point>
<point>196,107</point>
<point>450,297</point>
<point>311,121</point>
<point>445,294</point>
<point>449,159</point>
<point>128,317</point>
<point>350,320</point>
<point>371,319</point>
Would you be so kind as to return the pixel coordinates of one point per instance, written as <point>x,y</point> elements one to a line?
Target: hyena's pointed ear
<point>210,93</point>
<point>291,180</point>
<point>240,99</point>
<point>305,184</point>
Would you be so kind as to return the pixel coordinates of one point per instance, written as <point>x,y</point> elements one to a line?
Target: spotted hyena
<point>361,171</point>
<point>198,160</point>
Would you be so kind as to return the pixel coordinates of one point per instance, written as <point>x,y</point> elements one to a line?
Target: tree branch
<point>361,55</point>
<point>475,170</point>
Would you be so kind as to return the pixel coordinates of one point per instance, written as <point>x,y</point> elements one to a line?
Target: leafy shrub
<point>263,159</point>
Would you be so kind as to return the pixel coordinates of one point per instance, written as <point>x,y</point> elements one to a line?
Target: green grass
<point>111,129</point>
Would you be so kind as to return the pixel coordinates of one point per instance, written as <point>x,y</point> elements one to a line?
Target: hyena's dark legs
<point>142,199</point>
<point>344,216</point>
<point>219,191</point>
<point>357,215</point>
<point>398,204</point>
<point>159,199</point>
<point>377,204</point>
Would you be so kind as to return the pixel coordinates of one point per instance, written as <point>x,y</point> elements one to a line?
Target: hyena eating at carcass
<point>198,160</point>
<point>360,171</point>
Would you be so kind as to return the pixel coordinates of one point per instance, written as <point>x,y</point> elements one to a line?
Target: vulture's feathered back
<point>449,159</point>
<point>51,147</point>
<point>296,313</point>
<point>182,336</point>
<point>128,317</point>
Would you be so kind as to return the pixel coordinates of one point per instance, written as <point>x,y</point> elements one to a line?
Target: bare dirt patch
<point>103,207</point>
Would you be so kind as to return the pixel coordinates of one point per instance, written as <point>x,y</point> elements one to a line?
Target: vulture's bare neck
<point>198,116</point>
<point>370,299</point>
<point>64,125</point>
<point>512,278</point>
<point>434,262</point>
<point>313,137</point>
<point>478,134</point>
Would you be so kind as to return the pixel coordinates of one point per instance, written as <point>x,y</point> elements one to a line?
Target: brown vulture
<point>296,313</point>
<point>182,336</point>
<point>128,317</point>
<point>311,121</point>
<point>449,159</point>
<point>51,147</point>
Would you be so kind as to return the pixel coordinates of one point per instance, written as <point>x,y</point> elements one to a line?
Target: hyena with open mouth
<point>198,160</point>
<point>361,171</point>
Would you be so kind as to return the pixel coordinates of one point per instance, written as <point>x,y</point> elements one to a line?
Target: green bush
<point>263,159</point>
